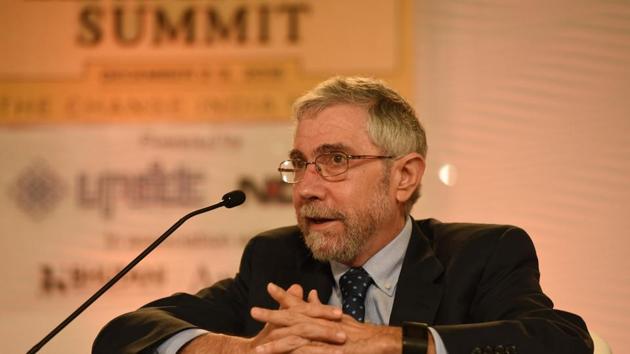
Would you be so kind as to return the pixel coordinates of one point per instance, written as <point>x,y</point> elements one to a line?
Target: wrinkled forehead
<point>337,128</point>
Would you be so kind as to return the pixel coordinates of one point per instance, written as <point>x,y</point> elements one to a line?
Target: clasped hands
<point>310,327</point>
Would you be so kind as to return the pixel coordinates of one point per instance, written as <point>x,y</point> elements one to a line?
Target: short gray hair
<point>392,124</point>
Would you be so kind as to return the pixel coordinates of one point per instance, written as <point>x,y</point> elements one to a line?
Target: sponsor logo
<point>71,279</point>
<point>156,186</point>
<point>272,190</point>
<point>56,279</point>
<point>37,190</point>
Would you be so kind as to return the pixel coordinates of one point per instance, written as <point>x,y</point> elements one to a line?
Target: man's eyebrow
<point>296,154</point>
<point>325,148</point>
<point>322,149</point>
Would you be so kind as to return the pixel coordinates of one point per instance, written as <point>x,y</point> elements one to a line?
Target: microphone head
<point>233,198</point>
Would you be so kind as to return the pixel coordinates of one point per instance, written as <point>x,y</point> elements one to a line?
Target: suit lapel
<point>418,293</point>
<point>310,274</point>
<point>317,275</point>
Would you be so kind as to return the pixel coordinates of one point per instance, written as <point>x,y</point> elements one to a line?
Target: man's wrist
<point>389,342</point>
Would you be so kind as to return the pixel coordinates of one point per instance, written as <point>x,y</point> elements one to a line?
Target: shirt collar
<point>384,267</point>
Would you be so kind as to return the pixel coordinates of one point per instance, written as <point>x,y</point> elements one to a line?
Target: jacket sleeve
<point>221,308</point>
<point>509,311</point>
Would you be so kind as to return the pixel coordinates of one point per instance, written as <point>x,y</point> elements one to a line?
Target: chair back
<point>601,347</point>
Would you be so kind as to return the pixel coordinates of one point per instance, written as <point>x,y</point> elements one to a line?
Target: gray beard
<point>359,227</point>
<point>328,246</point>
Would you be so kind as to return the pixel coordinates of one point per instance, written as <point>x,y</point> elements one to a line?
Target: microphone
<point>229,200</point>
<point>234,198</point>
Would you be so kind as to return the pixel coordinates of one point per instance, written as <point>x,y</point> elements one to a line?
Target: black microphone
<point>230,200</point>
<point>234,198</point>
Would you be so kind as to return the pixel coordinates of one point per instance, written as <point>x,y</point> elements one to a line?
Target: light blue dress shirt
<point>384,268</point>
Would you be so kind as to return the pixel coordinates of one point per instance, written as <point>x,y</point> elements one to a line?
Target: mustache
<point>315,211</point>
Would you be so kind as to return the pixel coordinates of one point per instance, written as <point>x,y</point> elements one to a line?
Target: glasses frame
<point>319,169</point>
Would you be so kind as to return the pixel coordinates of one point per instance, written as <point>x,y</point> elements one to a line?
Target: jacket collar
<point>418,292</point>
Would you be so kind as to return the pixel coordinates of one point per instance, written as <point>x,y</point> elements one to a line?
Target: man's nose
<point>311,185</point>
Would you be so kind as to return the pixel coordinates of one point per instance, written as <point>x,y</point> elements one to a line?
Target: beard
<point>359,225</point>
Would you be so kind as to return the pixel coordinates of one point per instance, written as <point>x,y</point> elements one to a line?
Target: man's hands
<point>304,327</point>
<point>311,327</point>
<point>296,323</point>
<point>281,337</point>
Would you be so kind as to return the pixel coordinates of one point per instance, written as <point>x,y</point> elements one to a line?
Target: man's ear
<point>409,170</point>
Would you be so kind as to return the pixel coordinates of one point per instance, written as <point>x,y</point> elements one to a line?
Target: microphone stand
<point>230,200</point>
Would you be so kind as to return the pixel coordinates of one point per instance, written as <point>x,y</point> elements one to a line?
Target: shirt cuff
<point>177,341</point>
<point>439,345</point>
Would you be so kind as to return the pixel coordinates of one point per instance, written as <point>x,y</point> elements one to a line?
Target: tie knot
<point>354,283</point>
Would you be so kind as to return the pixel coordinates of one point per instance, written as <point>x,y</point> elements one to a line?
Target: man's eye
<point>338,159</point>
<point>299,163</point>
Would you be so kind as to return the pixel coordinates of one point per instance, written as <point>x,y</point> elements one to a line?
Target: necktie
<point>354,285</point>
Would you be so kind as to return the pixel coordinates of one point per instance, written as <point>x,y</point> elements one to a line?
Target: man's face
<point>339,216</point>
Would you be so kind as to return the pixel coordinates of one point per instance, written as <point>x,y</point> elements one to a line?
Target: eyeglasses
<point>329,164</point>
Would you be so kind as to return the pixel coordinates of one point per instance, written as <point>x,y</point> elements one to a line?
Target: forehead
<point>342,125</point>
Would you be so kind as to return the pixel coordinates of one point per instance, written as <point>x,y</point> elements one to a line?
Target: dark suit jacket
<point>477,285</point>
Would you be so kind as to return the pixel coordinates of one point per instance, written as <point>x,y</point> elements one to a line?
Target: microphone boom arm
<point>230,200</point>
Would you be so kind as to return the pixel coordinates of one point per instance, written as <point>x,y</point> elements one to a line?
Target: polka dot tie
<point>354,285</point>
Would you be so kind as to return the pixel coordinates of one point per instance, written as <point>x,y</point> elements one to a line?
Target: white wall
<point>528,101</point>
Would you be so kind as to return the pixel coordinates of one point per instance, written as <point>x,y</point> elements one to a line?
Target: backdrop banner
<point>117,118</point>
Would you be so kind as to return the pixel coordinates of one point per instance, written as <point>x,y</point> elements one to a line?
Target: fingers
<point>287,298</point>
<point>313,298</point>
<point>287,339</point>
<point>311,331</point>
<point>286,323</point>
<point>313,308</point>
<point>296,290</point>
<point>276,317</point>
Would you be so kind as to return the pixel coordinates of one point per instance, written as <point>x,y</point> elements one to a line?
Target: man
<point>361,275</point>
